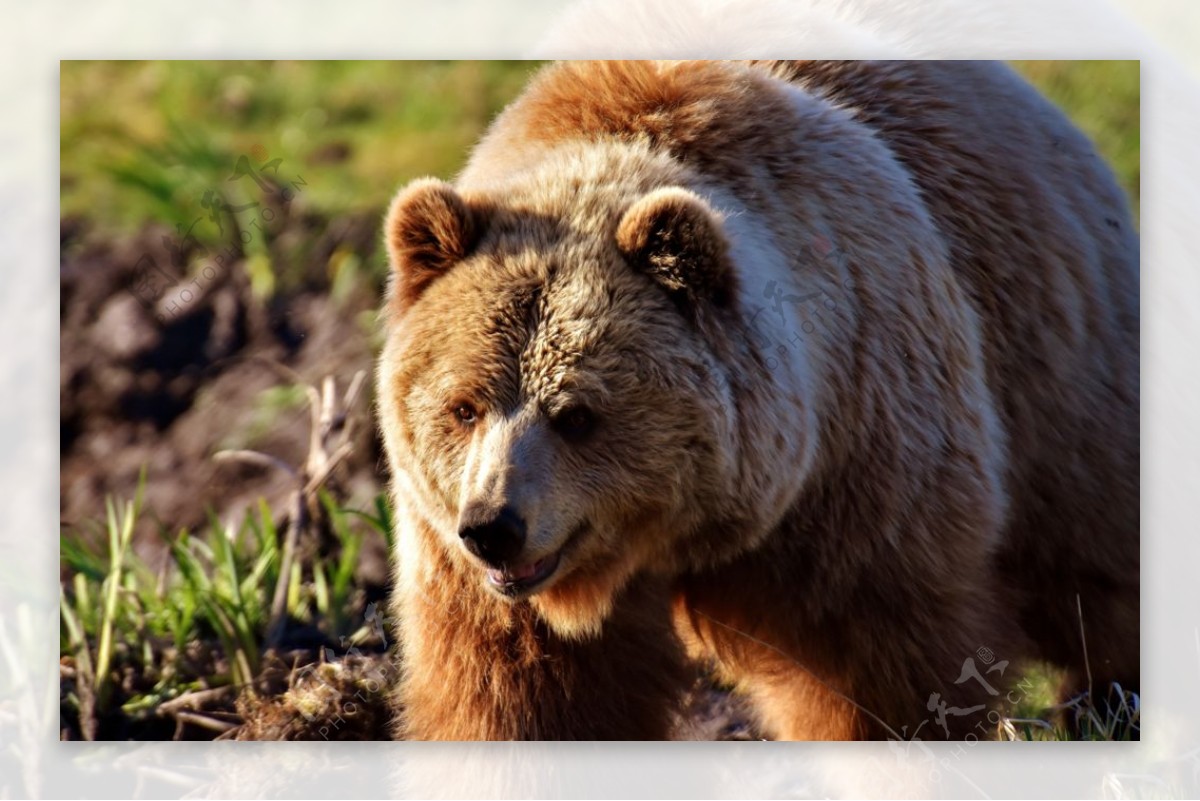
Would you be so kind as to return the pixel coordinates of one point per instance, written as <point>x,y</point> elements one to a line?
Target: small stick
<point>331,463</point>
<point>257,458</point>
<point>298,520</point>
<point>204,721</point>
<point>1083,636</point>
<point>190,700</point>
<point>325,416</point>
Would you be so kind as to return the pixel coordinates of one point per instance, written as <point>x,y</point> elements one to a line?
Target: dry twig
<point>330,444</point>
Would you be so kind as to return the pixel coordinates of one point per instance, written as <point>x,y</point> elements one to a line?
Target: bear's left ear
<point>675,237</point>
<point>429,229</point>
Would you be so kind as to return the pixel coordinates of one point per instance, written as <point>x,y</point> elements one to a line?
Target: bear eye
<point>465,414</point>
<point>575,423</point>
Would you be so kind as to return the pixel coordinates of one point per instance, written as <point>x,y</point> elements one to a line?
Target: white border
<point>36,36</point>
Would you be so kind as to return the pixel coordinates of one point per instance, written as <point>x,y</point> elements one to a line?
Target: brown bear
<point>821,374</point>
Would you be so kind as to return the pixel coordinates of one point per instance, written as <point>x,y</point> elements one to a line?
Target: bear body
<point>821,375</point>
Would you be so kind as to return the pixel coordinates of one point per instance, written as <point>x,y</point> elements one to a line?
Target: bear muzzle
<point>511,568</point>
<point>497,541</point>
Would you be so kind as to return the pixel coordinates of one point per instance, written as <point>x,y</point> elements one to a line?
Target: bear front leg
<point>479,667</point>
<point>932,661</point>
<point>855,681</point>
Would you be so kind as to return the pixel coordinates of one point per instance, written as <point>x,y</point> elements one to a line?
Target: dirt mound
<point>160,369</point>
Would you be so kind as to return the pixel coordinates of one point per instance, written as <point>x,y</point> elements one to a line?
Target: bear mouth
<point>514,581</point>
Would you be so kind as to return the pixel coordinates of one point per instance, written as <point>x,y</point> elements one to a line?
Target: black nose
<point>498,540</point>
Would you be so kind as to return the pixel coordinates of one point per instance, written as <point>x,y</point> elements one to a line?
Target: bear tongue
<point>517,573</point>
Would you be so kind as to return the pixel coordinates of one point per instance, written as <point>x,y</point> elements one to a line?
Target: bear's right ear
<point>676,238</point>
<point>429,228</point>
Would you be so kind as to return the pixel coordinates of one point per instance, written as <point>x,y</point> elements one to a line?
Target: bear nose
<point>498,540</point>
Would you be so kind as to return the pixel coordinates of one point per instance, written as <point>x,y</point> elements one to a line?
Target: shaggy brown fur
<point>824,374</point>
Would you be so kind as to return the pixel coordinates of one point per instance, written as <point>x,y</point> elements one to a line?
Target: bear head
<point>555,410</point>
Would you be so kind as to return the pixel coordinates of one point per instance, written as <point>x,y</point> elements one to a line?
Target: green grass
<point>130,630</point>
<point>1104,99</point>
<point>143,141</point>
<point>1039,715</point>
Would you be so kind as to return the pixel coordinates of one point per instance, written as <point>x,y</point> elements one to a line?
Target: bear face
<point>570,404</point>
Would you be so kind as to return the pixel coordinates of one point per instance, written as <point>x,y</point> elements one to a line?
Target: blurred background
<point>161,343</point>
<point>223,522</point>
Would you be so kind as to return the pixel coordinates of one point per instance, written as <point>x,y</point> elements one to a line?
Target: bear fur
<point>823,375</point>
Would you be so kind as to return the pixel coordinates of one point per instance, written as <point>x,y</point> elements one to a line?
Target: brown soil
<point>139,391</point>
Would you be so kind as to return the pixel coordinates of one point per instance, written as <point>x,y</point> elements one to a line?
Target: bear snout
<point>498,540</point>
